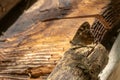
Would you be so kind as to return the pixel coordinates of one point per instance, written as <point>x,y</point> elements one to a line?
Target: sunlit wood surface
<point>30,44</point>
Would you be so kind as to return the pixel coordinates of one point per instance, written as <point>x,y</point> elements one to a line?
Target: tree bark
<point>30,48</point>
<point>76,66</point>
<point>84,61</point>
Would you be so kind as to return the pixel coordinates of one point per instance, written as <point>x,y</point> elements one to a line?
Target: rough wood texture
<point>84,61</point>
<point>43,44</point>
<point>6,6</point>
<point>75,65</point>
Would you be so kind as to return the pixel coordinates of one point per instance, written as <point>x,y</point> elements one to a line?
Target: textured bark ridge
<point>78,64</point>
<point>84,61</point>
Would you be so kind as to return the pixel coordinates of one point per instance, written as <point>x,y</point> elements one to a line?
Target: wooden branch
<point>75,65</point>
<point>84,61</point>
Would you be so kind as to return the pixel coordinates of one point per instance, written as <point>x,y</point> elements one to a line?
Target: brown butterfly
<point>83,35</point>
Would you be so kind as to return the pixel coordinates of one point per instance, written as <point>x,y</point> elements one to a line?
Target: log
<point>83,61</point>
<point>30,45</point>
<point>81,68</point>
